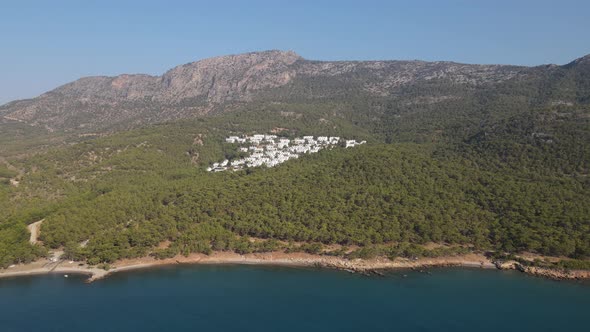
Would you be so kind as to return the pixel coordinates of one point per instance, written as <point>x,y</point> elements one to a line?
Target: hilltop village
<point>271,150</point>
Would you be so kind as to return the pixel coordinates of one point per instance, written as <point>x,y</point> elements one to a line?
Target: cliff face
<point>100,103</point>
<point>227,78</point>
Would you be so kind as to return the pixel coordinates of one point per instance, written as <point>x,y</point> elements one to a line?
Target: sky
<point>44,44</point>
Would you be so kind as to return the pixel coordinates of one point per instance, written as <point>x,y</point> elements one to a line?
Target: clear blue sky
<point>44,44</point>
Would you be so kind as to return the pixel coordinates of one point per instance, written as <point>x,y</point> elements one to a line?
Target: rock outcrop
<point>553,273</point>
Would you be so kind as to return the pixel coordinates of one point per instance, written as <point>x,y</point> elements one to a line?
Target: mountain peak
<point>287,57</point>
<point>585,60</point>
<point>228,77</point>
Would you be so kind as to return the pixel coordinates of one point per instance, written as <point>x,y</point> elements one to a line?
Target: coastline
<point>367,267</point>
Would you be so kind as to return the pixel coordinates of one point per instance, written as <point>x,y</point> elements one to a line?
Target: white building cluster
<point>270,150</point>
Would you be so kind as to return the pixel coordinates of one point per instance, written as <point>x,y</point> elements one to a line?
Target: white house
<point>351,143</point>
<point>269,150</point>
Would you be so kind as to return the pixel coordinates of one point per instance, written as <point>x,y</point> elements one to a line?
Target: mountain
<point>223,83</point>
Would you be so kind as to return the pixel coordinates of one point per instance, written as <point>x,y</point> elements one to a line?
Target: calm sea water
<point>248,298</point>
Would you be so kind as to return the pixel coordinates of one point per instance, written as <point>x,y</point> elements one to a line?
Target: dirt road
<point>34,228</point>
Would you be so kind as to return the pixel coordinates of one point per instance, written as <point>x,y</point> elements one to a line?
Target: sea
<point>259,298</point>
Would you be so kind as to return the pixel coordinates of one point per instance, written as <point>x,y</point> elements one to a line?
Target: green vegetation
<point>18,138</point>
<point>7,173</point>
<point>518,183</point>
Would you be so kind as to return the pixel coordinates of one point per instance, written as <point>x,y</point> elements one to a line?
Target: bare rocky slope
<point>214,85</point>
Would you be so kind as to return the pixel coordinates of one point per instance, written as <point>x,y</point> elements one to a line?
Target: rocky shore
<point>555,274</point>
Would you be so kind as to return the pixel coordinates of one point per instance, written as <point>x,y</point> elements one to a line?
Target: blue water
<point>248,298</point>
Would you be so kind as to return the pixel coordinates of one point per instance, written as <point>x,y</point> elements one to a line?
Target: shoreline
<point>365,267</point>
<point>295,260</point>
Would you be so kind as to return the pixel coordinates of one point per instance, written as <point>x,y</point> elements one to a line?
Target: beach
<point>368,266</point>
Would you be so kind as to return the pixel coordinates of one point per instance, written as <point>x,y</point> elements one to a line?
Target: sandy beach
<point>46,266</point>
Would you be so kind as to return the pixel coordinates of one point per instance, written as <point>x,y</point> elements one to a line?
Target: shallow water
<point>254,298</point>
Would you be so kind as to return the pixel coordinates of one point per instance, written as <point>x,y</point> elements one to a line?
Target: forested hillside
<point>518,184</point>
<point>482,157</point>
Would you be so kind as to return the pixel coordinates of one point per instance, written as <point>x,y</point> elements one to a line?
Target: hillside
<point>479,158</point>
<point>130,192</point>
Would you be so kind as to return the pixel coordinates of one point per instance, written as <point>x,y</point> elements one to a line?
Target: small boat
<point>66,276</point>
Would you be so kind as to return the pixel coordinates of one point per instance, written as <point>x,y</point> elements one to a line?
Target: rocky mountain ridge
<point>201,87</point>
